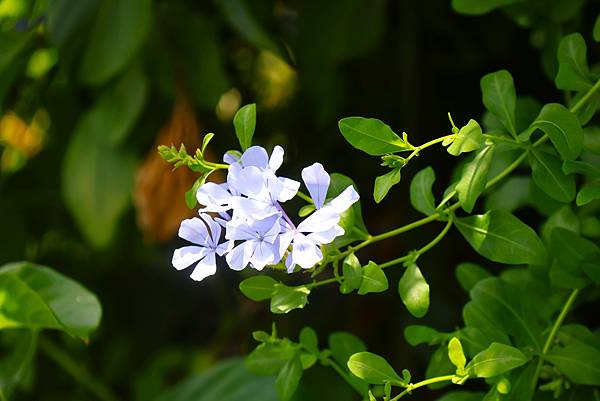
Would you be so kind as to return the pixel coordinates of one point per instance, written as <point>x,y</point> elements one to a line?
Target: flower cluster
<point>257,230</point>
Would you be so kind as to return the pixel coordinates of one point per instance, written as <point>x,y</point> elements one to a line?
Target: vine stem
<point>427,382</point>
<point>559,321</point>
<point>419,148</point>
<point>424,249</point>
<point>70,366</point>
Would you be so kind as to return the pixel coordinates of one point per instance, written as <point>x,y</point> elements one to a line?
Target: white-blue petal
<point>321,220</point>
<point>206,267</point>
<point>305,252</point>
<point>264,254</point>
<point>195,231</point>
<point>239,257</point>
<point>184,257</point>
<point>255,156</point>
<point>214,197</point>
<point>326,237</point>
<point>317,181</point>
<point>343,201</point>
<point>276,159</point>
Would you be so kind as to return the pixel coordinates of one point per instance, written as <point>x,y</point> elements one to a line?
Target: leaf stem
<point>559,321</point>
<point>421,251</point>
<point>305,197</point>
<point>419,148</point>
<point>64,360</point>
<point>585,97</point>
<point>427,382</point>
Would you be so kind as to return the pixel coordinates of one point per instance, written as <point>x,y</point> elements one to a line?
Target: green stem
<point>341,372</point>
<point>427,382</point>
<point>496,138</point>
<point>76,371</point>
<point>585,97</point>
<point>421,251</point>
<point>419,148</point>
<point>559,321</point>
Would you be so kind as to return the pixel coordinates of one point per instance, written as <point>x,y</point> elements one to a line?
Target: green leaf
<point>499,97</point>
<point>228,380</point>
<point>547,174</point>
<point>572,333</point>
<point>373,369</point>
<point>123,102</point>
<point>580,167</point>
<point>573,72</point>
<point>37,297</point>
<point>269,358</point>
<point>468,139</point>
<point>117,34</point>
<point>596,31</point>
<point>352,274</point>
<point>371,136</point>
<point>343,345</point>
<point>439,365</point>
<point>244,122</point>
<point>478,7</point>
<point>190,195</point>
<point>286,298</point>
<point>383,183</point>
<point>421,195</point>
<point>563,217</point>
<point>240,17</point>
<point>563,128</point>
<point>469,274</point>
<point>521,379</point>
<point>351,220</point>
<point>570,251</point>
<point>289,378</point>
<point>416,334</point>
<point>98,174</point>
<point>457,356</point>
<point>309,340</point>
<point>495,360</point>
<point>473,339</point>
<point>474,177</point>
<point>65,19</point>
<point>373,279</point>
<point>414,291</point>
<point>587,194</point>
<point>511,195</point>
<point>501,237</point>
<point>258,288</point>
<point>18,348</point>
<point>498,308</point>
<point>579,362</point>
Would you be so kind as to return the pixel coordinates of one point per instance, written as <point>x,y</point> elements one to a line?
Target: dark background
<point>405,62</point>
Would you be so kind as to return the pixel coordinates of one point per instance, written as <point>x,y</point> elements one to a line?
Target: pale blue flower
<point>259,246</point>
<point>205,233</point>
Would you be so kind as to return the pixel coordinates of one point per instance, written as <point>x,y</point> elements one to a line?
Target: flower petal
<point>326,237</point>
<point>288,190</point>
<point>321,220</point>
<point>206,267</point>
<point>305,252</point>
<point>195,231</point>
<point>184,257</point>
<point>264,254</point>
<point>255,156</point>
<point>343,201</point>
<point>213,197</point>
<point>317,181</point>
<point>276,159</point>
<point>245,208</point>
<point>214,229</point>
<point>239,257</point>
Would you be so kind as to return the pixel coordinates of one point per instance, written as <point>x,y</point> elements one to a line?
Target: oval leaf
<point>421,195</point>
<point>286,298</point>
<point>501,237</point>
<point>37,297</point>
<point>414,291</point>
<point>289,378</point>
<point>573,72</point>
<point>547,174</point>
<point>495,360</point>
<point>499,97</point>
<point>371,136</point>
<point>563,128</point>
<point>352,274</point>
<point>372,368</point>
<point>244,123</point>
<point>579,362</point>
<point>373,279</point>
<point>473,180</point>
<point>384,183</point>
<point>118,33</point>
<point>258,288</point>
